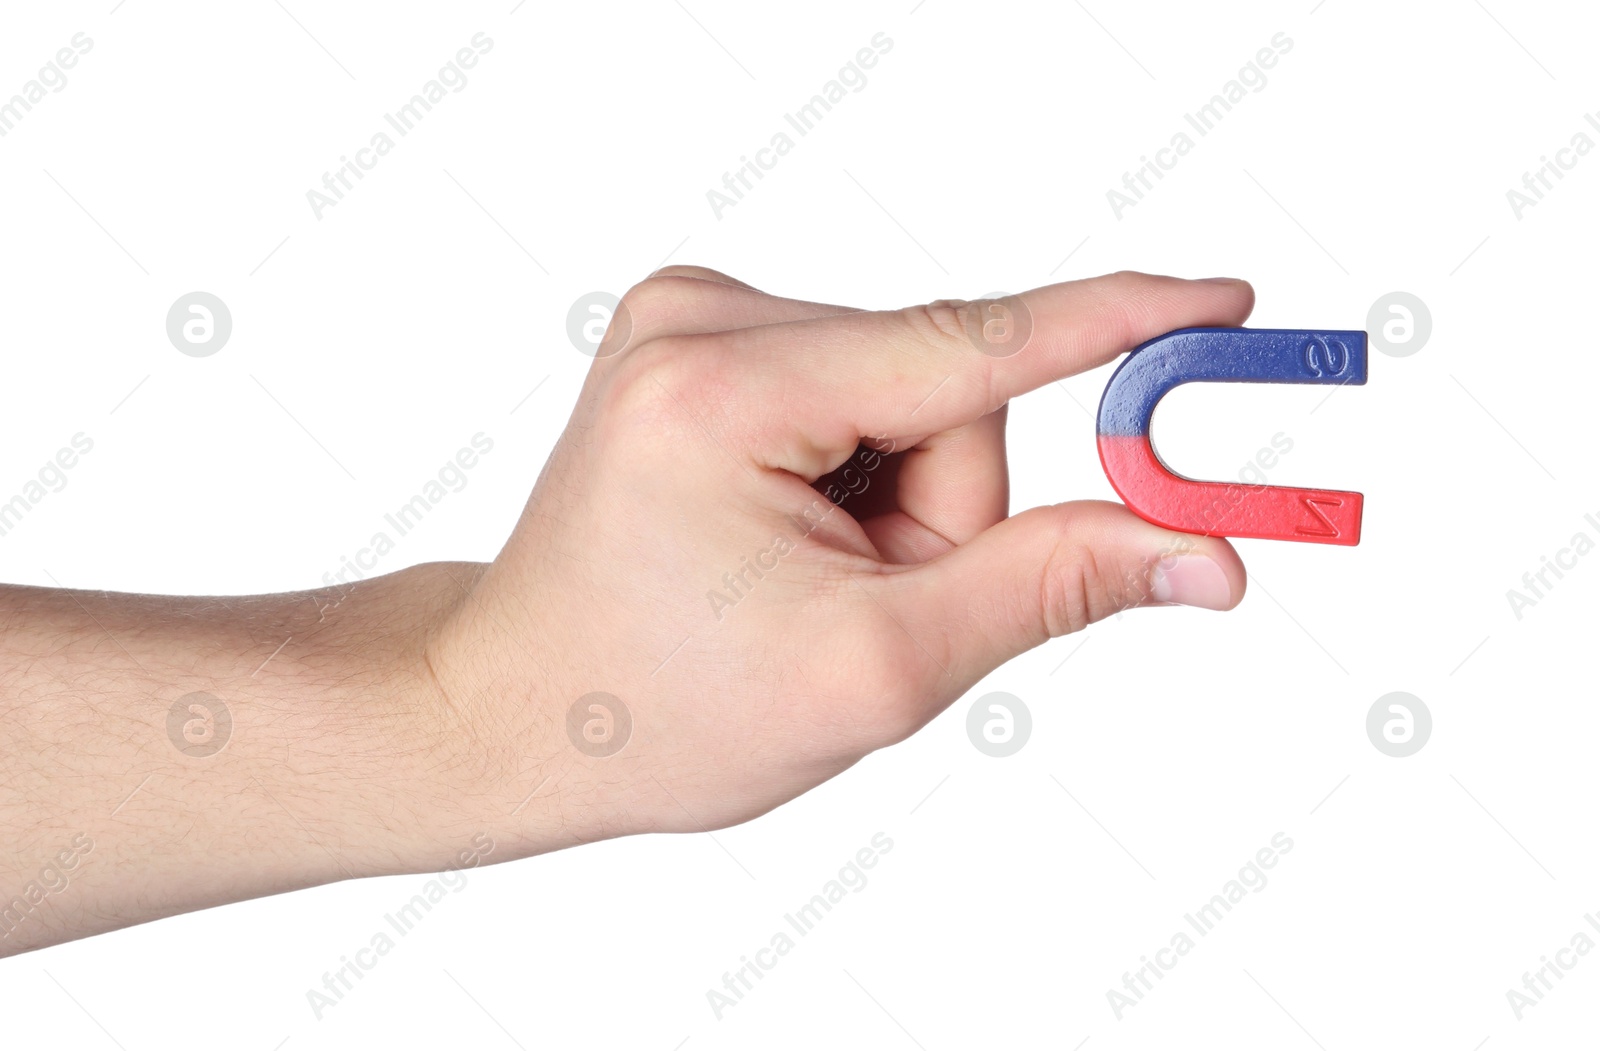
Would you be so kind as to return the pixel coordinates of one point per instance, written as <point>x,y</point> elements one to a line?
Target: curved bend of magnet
<point>1225,355</point>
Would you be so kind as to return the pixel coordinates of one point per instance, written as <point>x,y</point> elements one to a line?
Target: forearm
<point>320,746</point>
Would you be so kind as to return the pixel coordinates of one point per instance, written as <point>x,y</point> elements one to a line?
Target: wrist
<point>358,753</point>
<point>485,762</point>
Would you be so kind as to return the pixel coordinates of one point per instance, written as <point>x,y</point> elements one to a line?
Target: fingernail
<point>1220,280</point>
<point>1191,580</point>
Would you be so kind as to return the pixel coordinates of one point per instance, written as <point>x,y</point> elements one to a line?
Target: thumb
<point>1054,570</point>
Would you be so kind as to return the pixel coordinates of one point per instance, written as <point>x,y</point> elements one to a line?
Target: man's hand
<point>774,538</point>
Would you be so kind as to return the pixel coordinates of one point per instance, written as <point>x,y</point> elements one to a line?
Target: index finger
<point>930,368</point>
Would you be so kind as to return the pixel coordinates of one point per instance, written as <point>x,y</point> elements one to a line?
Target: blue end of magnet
<point>1225,355</point>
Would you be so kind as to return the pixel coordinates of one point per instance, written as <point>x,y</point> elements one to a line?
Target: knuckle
<point>659,298</point>
<point>682,270</point>
<point>1081,586</point>
<point>1126,283</point>
<point>646,382</point>
<point>939,322</point>
<point>668,387</point>
<point>1063,592</point>
<point>698,273</point>
<point>950,329</point>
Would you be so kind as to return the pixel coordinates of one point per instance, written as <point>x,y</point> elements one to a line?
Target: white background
<point>1168,746</point>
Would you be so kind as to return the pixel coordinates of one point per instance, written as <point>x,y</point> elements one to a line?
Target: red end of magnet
<point>1238,509</point>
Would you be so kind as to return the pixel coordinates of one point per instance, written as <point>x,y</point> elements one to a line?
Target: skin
<point>411,719</point>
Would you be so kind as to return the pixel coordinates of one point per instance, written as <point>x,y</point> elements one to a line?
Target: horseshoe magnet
<point>1225,355</point>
